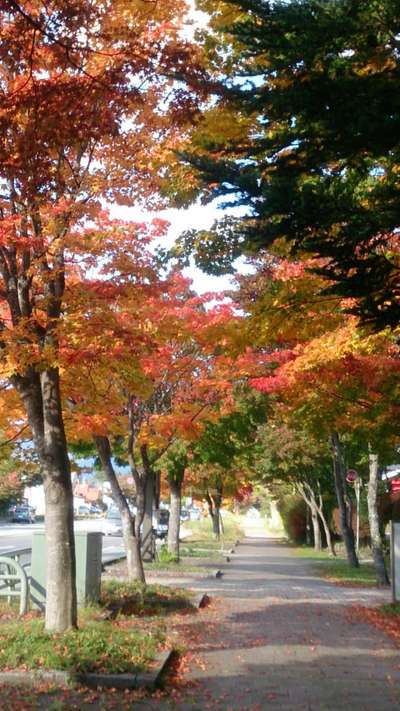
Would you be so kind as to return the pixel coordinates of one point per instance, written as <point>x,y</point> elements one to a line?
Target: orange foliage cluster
<point>323,363</point>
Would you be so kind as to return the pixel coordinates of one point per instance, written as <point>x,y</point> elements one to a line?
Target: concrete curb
<point>31,678</point>
<point>141,680</point>
<point>117,559</point>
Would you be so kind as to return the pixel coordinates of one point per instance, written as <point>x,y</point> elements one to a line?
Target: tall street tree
<point>89,110</point>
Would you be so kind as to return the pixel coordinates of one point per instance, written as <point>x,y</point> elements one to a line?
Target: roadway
<point>19,535</point>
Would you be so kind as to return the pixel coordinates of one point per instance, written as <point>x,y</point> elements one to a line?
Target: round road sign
<point>351,475</point>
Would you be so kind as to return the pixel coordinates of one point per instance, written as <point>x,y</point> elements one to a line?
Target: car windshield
<point>114,513</point>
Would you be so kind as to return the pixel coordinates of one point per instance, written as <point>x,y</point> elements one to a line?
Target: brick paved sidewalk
<point>279,638</point>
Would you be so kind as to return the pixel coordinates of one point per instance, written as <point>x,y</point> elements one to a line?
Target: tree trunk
<point>214,508</point>
<point>215,518</point>
<point>308,526</point>
<point>312,508</point>
<point>61,603</point>
<point>346,530</point>
<point>130,524</point>
<point>316,529</point>
<point>147,527</point>
<point>42,399</point>
<point>328,536</point>
<point>145,488</point>
<point>320,506</point>
<point>157,490</point>
<point>174,517</point>
<point>373,517</point>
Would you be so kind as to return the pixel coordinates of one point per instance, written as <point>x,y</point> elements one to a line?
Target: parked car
<point>83,510</point>
<point>161,522</point>
<point>22,514</point>
<point>194,514</point>
<point>96,510</point>
<point>185,515</point>
<point>112,524</point>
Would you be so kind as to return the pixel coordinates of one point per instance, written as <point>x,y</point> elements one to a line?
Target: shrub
<point>294,517</point>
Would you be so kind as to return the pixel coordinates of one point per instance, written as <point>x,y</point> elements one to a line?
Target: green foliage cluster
<point>164,556</point>
<point>293,513</point>
<point>233,437</point>
<point>174,461</point>
<point>316,88</point>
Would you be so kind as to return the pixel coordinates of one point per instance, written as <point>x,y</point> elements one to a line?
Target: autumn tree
<point>336,380</point>
<point>144,362</point>
<point>289,455</point>
<point>174,465</point>
<point>223,456</point>
<point>89,110</point>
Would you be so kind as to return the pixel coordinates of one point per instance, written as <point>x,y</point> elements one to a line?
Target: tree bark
<point>42,399</point>
<point>308,526</point>
<point>145,491</point>
<point>147,527</point>
<point>328,535</point>
<point>174,525</point>
<point>311,504</point>
<point>373,517</point>
<point>130,524</point>
<point>215,517</point>
<point>346,529</point>
<point>316,530</point>
<point>214,502</point>
<point>320,508</point>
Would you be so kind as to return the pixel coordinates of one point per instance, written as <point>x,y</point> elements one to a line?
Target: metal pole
<point>357,490</point>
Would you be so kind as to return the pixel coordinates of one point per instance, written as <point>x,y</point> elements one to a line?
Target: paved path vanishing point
<point>280,638</point>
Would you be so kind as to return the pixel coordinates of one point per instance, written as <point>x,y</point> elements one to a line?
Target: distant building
<point>90,494</point>
<point>34,496</point>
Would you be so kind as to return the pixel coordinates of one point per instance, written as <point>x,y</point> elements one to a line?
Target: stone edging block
<point>201,600</point>
<point>141,680</point>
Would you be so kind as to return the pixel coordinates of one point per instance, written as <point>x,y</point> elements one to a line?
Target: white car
<point>194,514</point>
<point>112,524</point>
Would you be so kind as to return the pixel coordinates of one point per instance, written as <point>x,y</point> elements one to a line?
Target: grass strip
<point>134,598</point>
<point>98,646</point>
<point>122,634</point>
<point>338,570</point>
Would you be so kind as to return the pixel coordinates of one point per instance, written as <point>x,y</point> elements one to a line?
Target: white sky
<point>197,216</point>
